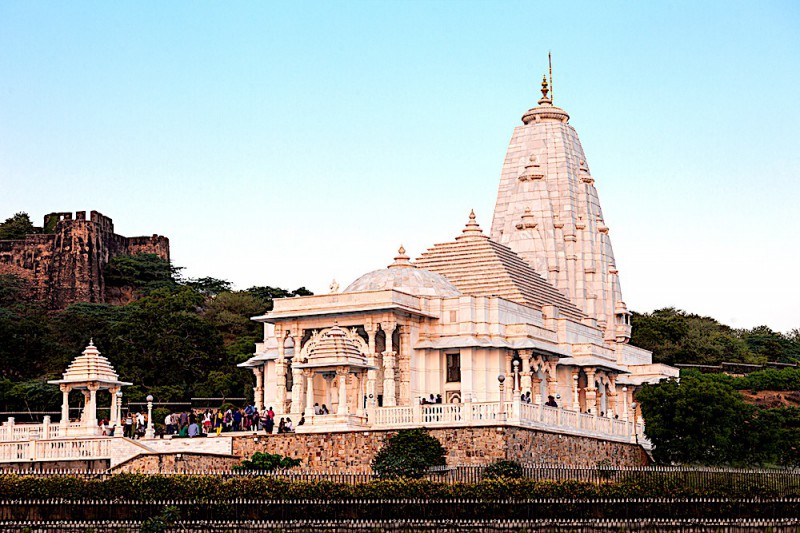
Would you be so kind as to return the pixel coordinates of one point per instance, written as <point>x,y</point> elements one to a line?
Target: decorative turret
<point>472,229</point>
<point>402,260</point>
<point>545,111</point>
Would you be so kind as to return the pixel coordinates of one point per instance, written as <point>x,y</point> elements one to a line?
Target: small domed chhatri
<point>404,276</point>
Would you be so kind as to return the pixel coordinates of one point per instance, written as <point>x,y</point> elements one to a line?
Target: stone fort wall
<point>353,450</point>
<point>65,264</point>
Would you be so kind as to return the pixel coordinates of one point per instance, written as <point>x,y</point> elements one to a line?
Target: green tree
<point>268,294</point>
<point>267,462</point>
<point>17,227</point>
<point>770,345</point>
<point>409,453</point>
<point>675,336</point>
<point>503,469</point>
<point>143,272</point>
<point>208,286</point>
<point>698,419</point>
<point>162,340</point>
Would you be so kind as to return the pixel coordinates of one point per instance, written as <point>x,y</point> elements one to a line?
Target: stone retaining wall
<point>157,463</point>
<point>353,450</point>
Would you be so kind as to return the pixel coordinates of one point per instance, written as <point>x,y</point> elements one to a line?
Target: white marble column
<point>280,385</point>
<point>591,391</point>
<point>372,373</point>
<point>389,398</point>
<point>112,414</point>
<point>404,365</point>
<point>576,402</point>
<point>526,371</point>
<point>258,392</point>
<point>297,390</point>
<point>309,376</point>
<point>91,421</point>
<point>342,407</point>
<point>64,406</point>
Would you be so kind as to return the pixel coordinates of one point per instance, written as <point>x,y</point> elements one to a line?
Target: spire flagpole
<point>550,64</point>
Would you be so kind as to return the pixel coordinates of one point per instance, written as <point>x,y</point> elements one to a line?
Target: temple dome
<point>90,366</point>
<point>334,343</point>
<point>404,276</point>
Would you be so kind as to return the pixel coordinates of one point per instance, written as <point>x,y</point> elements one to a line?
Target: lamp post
<point>625,403</point>
<point>635,433</point>
<point>501,379</point>
<point>150,433</point>
<point>118,408</point>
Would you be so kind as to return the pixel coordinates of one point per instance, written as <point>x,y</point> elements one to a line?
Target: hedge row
<point>143,487</point>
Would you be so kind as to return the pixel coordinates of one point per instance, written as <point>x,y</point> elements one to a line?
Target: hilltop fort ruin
<point>64,264</point>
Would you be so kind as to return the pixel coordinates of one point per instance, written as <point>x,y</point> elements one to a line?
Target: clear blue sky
<point>289,144</point>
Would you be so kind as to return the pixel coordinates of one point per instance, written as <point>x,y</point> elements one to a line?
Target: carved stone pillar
<point>91,420</point>
<point>297,390</point>
<point>526,374</point>
<point>309,377</point>
<point>404,365</point>
<point>591,391</point>
<point>64,406</point>
<point>612,395</point>
<point>112,416</point>
<point>509,387</point>
<point>576,402</point>
<point>342,374</point>
<point>536,389</point>
<point>372,373</point>
<point>258,392</point>
<point>280,384</point>
<point>389,398</point>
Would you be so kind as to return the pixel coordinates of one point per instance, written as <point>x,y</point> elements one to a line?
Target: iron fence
<point>574,525</point>
<point>779,482</point>
<point>395,510</point>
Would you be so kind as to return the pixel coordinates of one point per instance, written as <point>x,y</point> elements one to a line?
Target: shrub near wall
<point>141,487</point>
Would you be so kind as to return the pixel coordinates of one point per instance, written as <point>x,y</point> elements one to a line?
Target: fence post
<point>466,408</point>
<point>46,427</point>
<point>9,428</point>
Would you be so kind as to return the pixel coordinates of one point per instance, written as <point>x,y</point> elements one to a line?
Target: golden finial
<point>544,87</point>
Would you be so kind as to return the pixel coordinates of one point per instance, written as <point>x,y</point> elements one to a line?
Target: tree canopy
<point>177,339</point>
<point>702,419</point>
<point>16,227</point>
<point>676,337</point>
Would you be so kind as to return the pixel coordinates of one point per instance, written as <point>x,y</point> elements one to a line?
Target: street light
<point>150,433</point>
<point>501,379</point>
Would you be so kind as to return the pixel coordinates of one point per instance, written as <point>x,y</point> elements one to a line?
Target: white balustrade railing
<point>523,414</point>
<point>51,450</point>
<point>11,431</point>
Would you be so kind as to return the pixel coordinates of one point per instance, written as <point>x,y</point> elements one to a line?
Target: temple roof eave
<point>492,342</point>
<point>101,381</point>
<point>346,304</point>
<point>334,366</point>
<point>593,361</point>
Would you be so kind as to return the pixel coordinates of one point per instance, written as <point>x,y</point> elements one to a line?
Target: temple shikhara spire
<point>548,211</point>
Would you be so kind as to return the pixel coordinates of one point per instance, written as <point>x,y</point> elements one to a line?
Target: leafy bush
<point>503,468</point>
<point>408,454</point>
<point>268,462</point>
<point>141,487</point>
